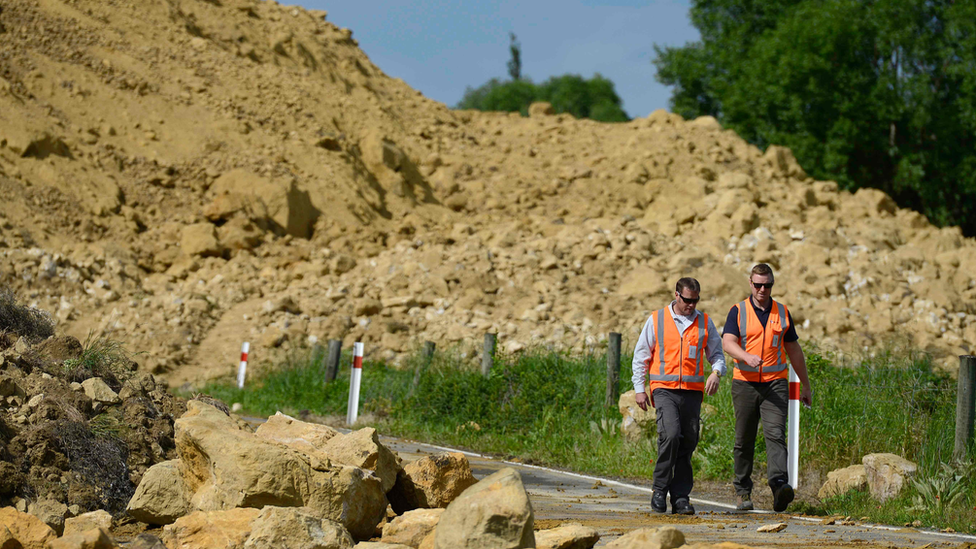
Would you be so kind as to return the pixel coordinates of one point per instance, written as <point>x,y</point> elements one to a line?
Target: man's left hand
<point>711,384</point>
<point>806,396</point>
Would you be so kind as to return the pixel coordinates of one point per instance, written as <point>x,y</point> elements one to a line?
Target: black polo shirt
<point>732,322</point>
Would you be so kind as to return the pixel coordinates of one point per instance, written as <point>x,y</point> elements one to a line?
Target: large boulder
<point>268,528</point>
<point>161,496</point>
<point>567,536</point>
<point>841,481</point>
<point>51,511</point>
<point>29,530</point>
<point>307,438</point>
<point>88,521</point>
<point>664,537</point>
<point>205,529</point>
<point>7,540</point>
<point>279,204</point>
<point>225,467</point>
<point>494,513</point>
<point>637,424</point>
<point>887,474</point>
<point>322,443</point>
<point>96,538</point>
<point>199,239</point>
<point>362,449</point>
<point>412,527</point>
<point>432,481</point>
<point>296,528</point>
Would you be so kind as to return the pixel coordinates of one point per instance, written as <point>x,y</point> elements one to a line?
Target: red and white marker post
<point>242,369</point>
<point>793,430</point>
<point>352,409</point>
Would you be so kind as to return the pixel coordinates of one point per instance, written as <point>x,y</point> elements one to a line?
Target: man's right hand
<point>753,361</point>
<point>643,400</point>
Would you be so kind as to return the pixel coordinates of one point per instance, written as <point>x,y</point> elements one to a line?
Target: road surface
<point>614,508</point>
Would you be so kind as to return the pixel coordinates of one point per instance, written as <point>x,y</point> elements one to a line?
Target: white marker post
<point>793,430</point>
<point>242,369</point>
<point>352,409</point>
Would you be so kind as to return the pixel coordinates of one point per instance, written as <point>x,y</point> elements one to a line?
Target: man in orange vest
<point>759,334</point>
<point>670,350</point>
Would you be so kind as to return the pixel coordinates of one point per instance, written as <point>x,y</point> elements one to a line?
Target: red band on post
<point>795,390</point>
<point>243,357</point>
<point>357,362</point>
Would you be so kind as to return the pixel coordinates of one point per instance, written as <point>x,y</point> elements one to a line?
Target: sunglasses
<point>689,300</point>
<point>767,285</point>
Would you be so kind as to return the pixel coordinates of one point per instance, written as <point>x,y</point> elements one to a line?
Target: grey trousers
<point>678,426</point>
<point>754,401</point>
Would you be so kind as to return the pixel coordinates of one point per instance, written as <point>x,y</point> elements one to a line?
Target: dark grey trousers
<point>678,425</point>
<point>754,401</point>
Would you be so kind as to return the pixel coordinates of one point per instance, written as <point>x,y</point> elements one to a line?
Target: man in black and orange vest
<point>759,334</point>
<point>670,351</point>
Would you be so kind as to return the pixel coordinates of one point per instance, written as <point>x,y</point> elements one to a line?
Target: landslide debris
<point>78,425</point>
<point>187,175</point>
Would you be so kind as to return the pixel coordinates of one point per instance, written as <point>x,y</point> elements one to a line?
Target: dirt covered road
<point>615,508</point>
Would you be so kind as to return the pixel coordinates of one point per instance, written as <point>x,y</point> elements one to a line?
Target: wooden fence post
<point>428,356</point>
<point>613,369</point>
<point>488,354</point>
<point>332,360</point>
<point>965,405</point>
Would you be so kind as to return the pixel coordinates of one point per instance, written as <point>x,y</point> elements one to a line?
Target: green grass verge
<point>548,407</point>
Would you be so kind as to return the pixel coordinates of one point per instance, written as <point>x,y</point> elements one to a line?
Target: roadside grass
<point>547,407</point>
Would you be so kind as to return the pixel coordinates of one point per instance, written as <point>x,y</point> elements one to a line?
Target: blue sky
<point>442,46</point>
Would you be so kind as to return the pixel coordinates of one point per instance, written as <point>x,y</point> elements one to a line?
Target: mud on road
<point>614,508</point>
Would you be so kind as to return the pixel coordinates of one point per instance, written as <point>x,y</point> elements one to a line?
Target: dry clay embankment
<point>185,175</point>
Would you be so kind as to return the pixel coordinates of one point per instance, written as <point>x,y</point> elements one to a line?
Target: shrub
<point>25,321</point>
<point>104,358</point>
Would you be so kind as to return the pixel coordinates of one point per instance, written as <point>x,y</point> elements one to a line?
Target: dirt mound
<point>186,175</point>
<point>72,438</point>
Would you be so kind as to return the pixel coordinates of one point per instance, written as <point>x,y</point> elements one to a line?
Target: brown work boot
<point>744,503</point>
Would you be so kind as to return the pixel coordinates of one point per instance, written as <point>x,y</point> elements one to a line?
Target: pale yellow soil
<point>187,175</point>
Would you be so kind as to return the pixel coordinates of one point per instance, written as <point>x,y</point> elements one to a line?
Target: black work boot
<point>782,496</point>
<point>682,507</point>
<point>659,501</point>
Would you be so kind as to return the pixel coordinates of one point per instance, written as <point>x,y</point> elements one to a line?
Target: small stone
<point>772,528</point>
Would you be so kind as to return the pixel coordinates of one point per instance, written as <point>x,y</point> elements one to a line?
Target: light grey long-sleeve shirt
<point>647,341</point>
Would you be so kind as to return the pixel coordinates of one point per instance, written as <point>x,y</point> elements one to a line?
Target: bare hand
<point>711,384</point>
<point>642,400</point>
<point>806,396</point>
<point>753,361</point>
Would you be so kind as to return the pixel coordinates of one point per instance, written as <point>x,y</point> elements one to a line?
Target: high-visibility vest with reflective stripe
<point>676,359</point>
<point>763,341</point>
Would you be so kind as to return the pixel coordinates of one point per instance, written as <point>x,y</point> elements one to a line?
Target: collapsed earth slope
<point>189,174</point>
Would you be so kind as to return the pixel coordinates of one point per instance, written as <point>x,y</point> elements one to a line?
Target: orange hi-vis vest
<point>676,360</point>
<point>763,341</point>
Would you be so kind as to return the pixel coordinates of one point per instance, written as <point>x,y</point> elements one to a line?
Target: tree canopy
<point>593,98</point>
<point>870,93</point>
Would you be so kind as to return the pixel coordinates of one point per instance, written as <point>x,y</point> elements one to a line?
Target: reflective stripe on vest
<point>780,366</point>
<point>661,376</point>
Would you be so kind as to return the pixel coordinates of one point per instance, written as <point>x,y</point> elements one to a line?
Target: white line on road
<point>961,537</point>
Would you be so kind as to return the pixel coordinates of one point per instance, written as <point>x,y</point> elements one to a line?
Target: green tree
<point>515,63</point>
<point>593,98</point>
<point>871,93</point>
